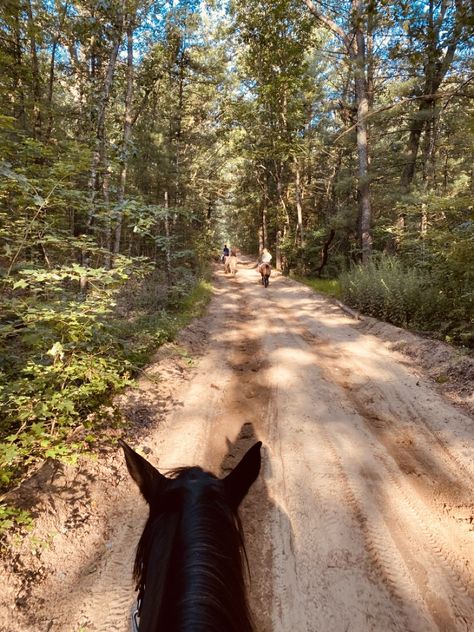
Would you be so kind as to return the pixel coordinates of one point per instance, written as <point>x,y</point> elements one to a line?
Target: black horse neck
<point>189,563</point>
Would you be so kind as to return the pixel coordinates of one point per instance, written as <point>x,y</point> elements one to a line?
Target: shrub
<point>386,289</point>
<point>63,353</point>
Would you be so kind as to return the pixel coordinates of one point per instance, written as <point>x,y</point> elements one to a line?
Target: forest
<point>136,137</point>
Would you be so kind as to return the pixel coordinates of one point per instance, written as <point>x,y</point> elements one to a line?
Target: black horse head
<point>188,567</point>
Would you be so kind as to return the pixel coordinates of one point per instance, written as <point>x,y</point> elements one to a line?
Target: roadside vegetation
<point>436,299</point>
<point>70,356</point>
<point>331,287</point>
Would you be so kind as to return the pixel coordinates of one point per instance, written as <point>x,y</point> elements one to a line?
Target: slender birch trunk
<point>299,206</point>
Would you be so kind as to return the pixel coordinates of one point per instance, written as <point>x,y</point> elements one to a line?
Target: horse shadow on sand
<point>260,515</point>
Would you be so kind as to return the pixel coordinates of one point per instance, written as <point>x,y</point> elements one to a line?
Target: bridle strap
<point>136,616</point>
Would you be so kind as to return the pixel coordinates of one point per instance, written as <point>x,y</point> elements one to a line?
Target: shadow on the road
<point>259,513</point>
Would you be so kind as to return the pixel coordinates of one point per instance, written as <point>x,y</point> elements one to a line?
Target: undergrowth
<point>331,287</point>
<point>63,357</point>
<point>420,299</point>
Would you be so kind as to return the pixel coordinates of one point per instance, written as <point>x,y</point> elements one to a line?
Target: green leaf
<point>22,283</point>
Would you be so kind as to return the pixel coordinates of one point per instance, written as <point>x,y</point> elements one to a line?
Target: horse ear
<point>148,479</point>
<point>238,482</point>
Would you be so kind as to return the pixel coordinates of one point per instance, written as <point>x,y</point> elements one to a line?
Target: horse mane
<point>189,562</point>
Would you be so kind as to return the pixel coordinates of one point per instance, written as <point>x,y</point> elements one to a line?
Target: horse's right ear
<point>238,482</point>
<point>148,479</point>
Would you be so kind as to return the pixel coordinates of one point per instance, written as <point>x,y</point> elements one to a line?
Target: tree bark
<point>278,255</point>
<point>168,241</point>
<point>108,218</point>
<point>354,42</point>
<point>299,206</point>
<point>264,225</point>
<point>37,120</point>
<point>20,112</point>
<point>362,141</point>
<point>99,151</point>
<point>127,132</point>
<point>324,252</point>
<point>52,64</point>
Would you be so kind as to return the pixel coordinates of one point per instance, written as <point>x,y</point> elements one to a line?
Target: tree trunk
<point>99,151</point>
<point>50,89</point>
<point>362,140</point>
<point>324,252</point>
<point>37,122</point>
<point>108,218</point>
<point>127,131</point>
<point>54,47</point>
<point>278,177</point>
<point>412,148</point>
<point>260,240</point>
<point>179,122</point>
<point>299,207</point>
<point>354,41</point>
<point>429,150</point>
<point>278,256</point>
<point>264,225</point>
<point>168,241</point>
<point>423,220</point>
<point>20,111</point>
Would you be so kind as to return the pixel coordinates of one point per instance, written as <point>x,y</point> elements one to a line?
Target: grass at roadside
<point>331,287</point>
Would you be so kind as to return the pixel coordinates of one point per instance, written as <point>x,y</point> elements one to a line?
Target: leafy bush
<point>65,345</point>
<point>384,289</point>
<point>408,297</point>
<point>60,358</point>
<point>63,357</point>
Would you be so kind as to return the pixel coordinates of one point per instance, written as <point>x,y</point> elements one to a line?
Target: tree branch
<point>331,25</point>
<point>423,97</point>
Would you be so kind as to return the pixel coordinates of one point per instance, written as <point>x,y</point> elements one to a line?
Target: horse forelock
<point>189,567</point>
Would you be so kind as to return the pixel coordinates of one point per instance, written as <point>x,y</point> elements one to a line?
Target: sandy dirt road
<point>362,518</point>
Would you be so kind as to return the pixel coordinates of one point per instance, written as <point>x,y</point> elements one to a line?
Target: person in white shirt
<point>266,257</point>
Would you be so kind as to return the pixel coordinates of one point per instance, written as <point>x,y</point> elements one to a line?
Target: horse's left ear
<point>148,479</point>
<point>238,482</point>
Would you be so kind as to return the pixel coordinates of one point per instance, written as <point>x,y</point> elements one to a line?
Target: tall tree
<point>354,38</point>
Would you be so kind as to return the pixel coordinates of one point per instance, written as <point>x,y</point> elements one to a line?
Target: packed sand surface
<point>362,518</point>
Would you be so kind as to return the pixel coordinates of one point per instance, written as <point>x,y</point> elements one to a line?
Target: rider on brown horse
<point>264,266</point>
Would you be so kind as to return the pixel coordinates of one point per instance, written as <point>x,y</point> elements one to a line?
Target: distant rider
<point>225,252</point>
<point>266,257</point>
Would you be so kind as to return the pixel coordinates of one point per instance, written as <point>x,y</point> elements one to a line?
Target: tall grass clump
<point>331,287</point>
<point>388,290</point>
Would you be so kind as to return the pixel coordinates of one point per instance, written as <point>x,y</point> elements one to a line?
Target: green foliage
<point>388,289</point>
<point>60,359</point>
<point>331,287</point>
<point>63,361</point>
<point>12,517</point>
<point>385,289</point>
